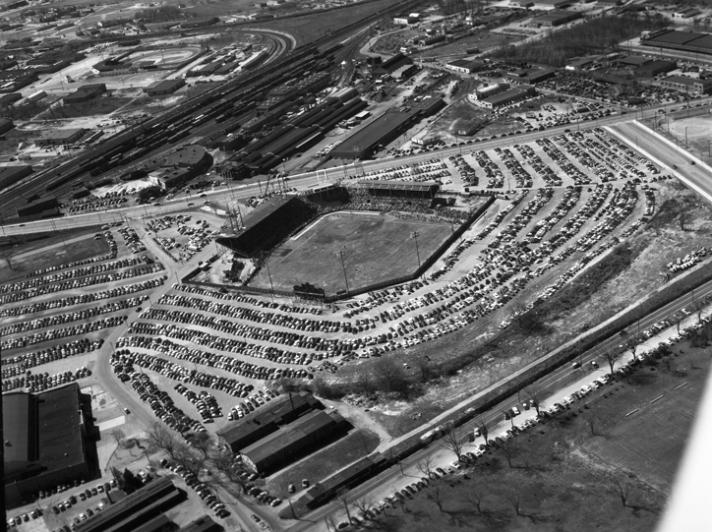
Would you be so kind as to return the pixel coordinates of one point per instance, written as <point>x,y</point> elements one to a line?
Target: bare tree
<point>453,442</point>
<point>534,397</point>
<point>510,450</point>
<point>611,358</point>
<point>162,437</point>
<point>202,441</point>
<point>435,496</point>
<point>631,343</point>
<point>483,431</point>
<point>425,466</point>
<point>474,497</point>
<point>118,436</point>
<point>343,497</point>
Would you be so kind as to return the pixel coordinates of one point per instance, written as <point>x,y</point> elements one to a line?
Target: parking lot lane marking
<point>632,412</point>
<point>682,384</point>
<point>657,398</point>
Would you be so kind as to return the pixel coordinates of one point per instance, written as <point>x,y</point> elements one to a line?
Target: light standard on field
<point>414,235</point>
<point>343,269</point>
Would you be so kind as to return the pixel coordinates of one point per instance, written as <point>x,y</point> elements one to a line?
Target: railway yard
<point>284,278</point>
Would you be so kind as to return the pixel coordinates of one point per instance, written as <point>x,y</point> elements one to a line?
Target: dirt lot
<point>376,247</point>
<point>607,465</point>
<point>23,258</point>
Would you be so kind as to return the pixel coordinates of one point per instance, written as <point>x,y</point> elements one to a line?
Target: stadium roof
<point>423,186</point>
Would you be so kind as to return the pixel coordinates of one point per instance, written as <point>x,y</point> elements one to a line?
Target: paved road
<point>691,170</point>
<point>546,386</point>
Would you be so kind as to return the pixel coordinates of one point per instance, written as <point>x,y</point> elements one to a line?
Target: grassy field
<point>594,468</point>
<point>17,261</point>
<point>325,462</point>
<point>307,28</point>
<point>375,247</point>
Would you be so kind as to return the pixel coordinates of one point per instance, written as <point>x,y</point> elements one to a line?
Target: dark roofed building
<point>164,87</point>
<point>400,188</point>
<point>136,509</point>
<point>49,440</point>
<point>202,524</point>
<point>5,125</point>
<point>654,68</point>
<point>10,175</point>
<point>293,441</point>
<point>58,137</point>
<point>267,418</point>
<point>85,93</point>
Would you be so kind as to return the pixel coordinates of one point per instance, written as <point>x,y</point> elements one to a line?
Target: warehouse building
<point>9,175</point>
<point>385,129</point>
<point>267,419</point>
<point>513,95</point>
<point>164,87</point>
<point>60,137</point>
<point>687,85</point>
<point>465,66</point>
<point>5,125</point>
<point>136,509</point>
<point>85,93</point>
<point>555,17</point>
<point>291,442</point>
<point>687,41</point>
<point>49,439</point>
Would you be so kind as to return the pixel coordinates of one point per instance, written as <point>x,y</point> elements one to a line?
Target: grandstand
<point>270,223</point>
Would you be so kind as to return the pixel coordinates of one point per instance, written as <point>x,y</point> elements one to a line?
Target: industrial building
<point>294,440</point>
<point>49,439</point>
<point>267,419</point>
<point>136,509</point>
<point>179,167</point>
<point>687,41</point>
<point>465,66</point>
<point>202,524</point>
<point>555,17</point>
<point>687,85</point>
<point>85,93</point>
<point>513,95</point>
<point>268,224</point>
<point>10,175</point>
<point>60,137</point>
<point>385,129</point>
<point>164,87</point>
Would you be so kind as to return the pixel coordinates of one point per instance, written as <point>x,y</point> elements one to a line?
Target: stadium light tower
<point>414,235</point>
<point>343,269</point>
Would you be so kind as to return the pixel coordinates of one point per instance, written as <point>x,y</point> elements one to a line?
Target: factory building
<point>60,137</point>
<point>509,96</point>
<point>164,87</point>
<point>687,85</point>
<point>49,439</point>
<point>293,441</point>
<point>465,66</point>
<point>85,93</point>
<point>10,175</point>
<point>136,509</point>
<point>267,419</point>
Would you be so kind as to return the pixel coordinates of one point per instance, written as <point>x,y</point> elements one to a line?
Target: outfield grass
<point>53,250</point>
<point>375,248</point>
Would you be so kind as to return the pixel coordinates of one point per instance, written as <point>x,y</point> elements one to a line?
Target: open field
<point>375,248</point>
<point>697,131</point>
<point>568,473</point>
<point>331,458</point>
<point>482,40</point>
<point>68,250</point>
<point>307,28</point>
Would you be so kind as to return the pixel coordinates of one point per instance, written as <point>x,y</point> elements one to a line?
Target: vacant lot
<point>374,247</point>
<point>21,259</point>
<point>307,28</point>
<point>597,467</point>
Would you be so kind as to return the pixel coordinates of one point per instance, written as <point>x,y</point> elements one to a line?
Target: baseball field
<point>354,248</point>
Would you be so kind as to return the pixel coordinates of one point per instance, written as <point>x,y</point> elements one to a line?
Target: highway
<point>692,171</point>
<point>551,383</point>
<point>299,181</point>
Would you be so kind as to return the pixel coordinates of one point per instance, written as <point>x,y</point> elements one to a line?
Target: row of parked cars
<point>66,317</point>
<point>69,301</point>
<point>19,364</point>
<point>204,402</point>
<point>62,332</point>
<point>38,382</point>
<point>204,492</point>
<point>146,338</point>
<point>144,267</point>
